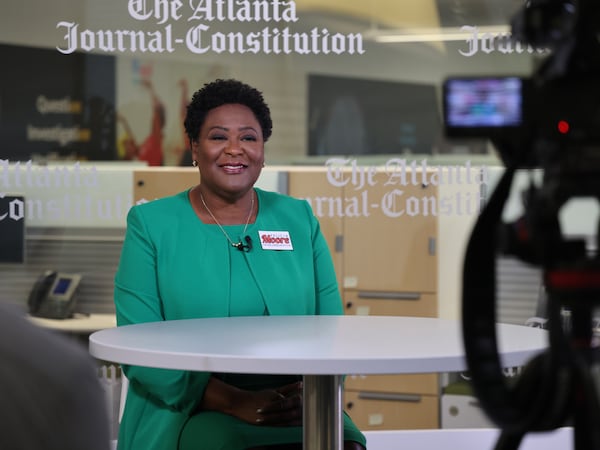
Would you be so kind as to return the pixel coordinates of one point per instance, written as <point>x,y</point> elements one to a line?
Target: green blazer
<point>173,266</point>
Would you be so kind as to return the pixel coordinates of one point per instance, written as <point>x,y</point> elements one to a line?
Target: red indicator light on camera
<point>563,127</point>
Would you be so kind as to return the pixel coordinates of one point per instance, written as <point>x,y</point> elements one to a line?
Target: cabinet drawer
<point>378,411</point>
<point>463,411</point>
<point>401,384</point>
<point>379,303</point>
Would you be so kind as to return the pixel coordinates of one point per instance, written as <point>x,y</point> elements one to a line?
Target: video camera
<point>533,121</point>
<point>550,121</point>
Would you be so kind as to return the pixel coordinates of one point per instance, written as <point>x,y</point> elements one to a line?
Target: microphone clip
<point>244,247</point>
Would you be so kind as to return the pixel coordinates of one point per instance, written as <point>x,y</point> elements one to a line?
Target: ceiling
<point>456,13</point>
<point>413,14</point>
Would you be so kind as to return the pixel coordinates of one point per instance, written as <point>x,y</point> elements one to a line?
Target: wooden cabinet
<point>390,247</point>
<point>156,182</point>
<point>312,184</point>
<point>383,241</point>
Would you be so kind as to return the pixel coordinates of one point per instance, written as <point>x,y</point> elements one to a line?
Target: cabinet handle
<point>413,398</point>
<point>431,246</point>
<point>349,305</point>
<point>389,295</point>
<point>338,245</point>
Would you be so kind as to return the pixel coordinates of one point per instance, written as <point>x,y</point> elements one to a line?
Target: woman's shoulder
<point>170,204</point>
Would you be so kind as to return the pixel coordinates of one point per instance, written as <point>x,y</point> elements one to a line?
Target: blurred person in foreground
<point>187,256</point>
<point>51,395</point>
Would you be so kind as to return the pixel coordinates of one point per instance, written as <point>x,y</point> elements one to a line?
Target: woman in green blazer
<point>222,248</point>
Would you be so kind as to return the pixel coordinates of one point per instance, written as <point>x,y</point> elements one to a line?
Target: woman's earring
<point>195,163</point>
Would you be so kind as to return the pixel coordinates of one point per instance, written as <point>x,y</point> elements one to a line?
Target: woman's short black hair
<point>224,92</point>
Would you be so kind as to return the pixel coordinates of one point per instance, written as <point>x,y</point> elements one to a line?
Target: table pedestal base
<point>322,412</point>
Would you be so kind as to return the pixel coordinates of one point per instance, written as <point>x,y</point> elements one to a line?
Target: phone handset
<point>53,295</point>
<point>40,290</point>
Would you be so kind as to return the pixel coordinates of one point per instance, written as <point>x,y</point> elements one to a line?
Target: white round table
<point>321,348</point>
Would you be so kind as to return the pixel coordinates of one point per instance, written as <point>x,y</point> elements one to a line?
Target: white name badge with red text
<point>275,240</point>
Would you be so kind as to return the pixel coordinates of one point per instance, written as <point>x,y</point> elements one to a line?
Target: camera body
<point>551,118</point>
<point>533,122</point>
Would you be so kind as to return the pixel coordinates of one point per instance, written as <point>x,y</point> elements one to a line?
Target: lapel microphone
<point>247,246</point>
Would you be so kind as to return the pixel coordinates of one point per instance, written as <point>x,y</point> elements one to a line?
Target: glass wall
<point>92,92</point>
<point>85,80</point>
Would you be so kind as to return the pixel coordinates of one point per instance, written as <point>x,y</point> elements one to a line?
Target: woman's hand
<point>273,407</point>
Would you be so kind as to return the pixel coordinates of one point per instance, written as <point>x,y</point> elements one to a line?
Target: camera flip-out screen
<point>480,106</point>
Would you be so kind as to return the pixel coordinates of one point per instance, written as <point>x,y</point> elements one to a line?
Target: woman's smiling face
<point>229,150</point>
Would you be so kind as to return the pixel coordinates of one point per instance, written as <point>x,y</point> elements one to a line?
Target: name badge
<point>275,240</point>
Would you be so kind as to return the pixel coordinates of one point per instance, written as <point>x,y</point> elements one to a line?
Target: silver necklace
<point>239,245</point>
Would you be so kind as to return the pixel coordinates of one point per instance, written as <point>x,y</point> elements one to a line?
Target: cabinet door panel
<point>426,383</point>
<point>324,198</point>
<point>153,183</point>
<point>394,412</point>
<point>389,245</point>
